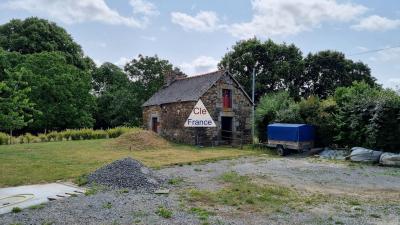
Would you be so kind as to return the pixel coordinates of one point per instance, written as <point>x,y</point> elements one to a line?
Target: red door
<point>227,98</point>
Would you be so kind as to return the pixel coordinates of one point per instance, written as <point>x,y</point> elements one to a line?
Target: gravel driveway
<point>377,190</point>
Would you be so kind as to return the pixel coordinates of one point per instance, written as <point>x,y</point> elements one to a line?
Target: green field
<point>52,161</point>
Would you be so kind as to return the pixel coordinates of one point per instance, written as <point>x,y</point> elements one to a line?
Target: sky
<point>194,35</point>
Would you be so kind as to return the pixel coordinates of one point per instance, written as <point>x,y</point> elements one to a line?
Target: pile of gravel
<point>125,173</point>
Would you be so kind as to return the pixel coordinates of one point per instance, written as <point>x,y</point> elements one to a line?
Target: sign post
<point>199,117</point>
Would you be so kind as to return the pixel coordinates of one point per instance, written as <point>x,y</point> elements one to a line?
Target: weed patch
<point>93,190</point>
<point>240,192</point>
<point>164,212</point>
<point>201,213</point>
<point>354,202</point>
<point>16,210</point>
<point>123,191</point>
<point>107,205</point>
<point>34,207</point>
<point>81,180</point>
<point>175,181</point>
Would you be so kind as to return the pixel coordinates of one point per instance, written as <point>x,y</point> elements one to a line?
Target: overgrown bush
<point>99,134</point>
<point>28,138</point>
<point>52,136</point>
<point>117,131</point>
<point>4,138</point>
<point>321,114</point>
<point>368,117</point>
<point>42,137</point>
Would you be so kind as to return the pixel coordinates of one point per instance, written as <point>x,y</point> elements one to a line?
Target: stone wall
<point>240,111</point>
<point>172,117</point>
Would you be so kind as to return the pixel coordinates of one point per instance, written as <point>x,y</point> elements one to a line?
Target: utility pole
<point>253,110</point>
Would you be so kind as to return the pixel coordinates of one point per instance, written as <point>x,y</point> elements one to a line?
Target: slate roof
<point>187,89</point>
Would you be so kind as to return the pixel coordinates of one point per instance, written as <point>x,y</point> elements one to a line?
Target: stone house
<point>225,99</point>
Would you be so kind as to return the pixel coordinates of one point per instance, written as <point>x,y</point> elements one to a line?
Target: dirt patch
<point>138,140</point>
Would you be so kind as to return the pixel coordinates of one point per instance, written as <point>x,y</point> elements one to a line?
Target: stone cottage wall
<point>172,117</point>
<point>240,111</point>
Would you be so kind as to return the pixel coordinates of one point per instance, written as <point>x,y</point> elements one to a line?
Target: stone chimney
<point>171,76</point>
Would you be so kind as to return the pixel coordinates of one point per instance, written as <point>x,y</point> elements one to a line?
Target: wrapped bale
<point>359,154</point>
<point>390,159</point>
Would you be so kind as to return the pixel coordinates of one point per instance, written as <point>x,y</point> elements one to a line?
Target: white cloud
<point>376,23</point>
<point>122,61</point>
<point>98,62</point>
<point>73,11</point>
<point>287,17</point>
<point>393,83</point>
<point>362,48</point>
<point>144,7</point>
<point>201,64</point>
<point>388,55</point>
<point>204,21</point>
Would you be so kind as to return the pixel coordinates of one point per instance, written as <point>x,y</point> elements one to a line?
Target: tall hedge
<point>368,117</point>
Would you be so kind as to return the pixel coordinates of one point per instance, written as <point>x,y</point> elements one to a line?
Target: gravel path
<point>367,183</point>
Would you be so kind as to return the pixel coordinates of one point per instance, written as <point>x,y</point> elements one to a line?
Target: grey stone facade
<point>172,116</point>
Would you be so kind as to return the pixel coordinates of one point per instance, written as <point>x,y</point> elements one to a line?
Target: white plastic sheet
<point>390,159</point>
<point>359,154</point>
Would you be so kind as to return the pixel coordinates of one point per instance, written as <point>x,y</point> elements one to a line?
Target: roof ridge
<point>200,75</point>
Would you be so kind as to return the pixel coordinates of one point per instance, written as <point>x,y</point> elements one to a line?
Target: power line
<point>375,50</point>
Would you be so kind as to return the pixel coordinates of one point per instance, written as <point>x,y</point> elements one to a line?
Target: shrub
<point>75,135</point>
<point>321,114</point>
<point>69,134</point>
<point>99,134</point>
<point>42,137</point>
<point>4,138</point>
<point>20,139</point>
<point>66,134</point>
<point>59,137</point>
<point>52,136</point>
<point>28,138</point>
<point>117,131</point>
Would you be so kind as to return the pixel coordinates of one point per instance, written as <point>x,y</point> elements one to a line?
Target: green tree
<point>327,70</point>
<point>60,91</point>
<point>147,76</point>
<point>277,66</point>
<point>147,72</point>
<point>116,98</point>
<point>15,107</point>
<point>107,78</point>
<point>34,35</point>
<point>282,67</point>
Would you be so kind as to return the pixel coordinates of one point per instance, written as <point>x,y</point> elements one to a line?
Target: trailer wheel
<point>282,151</point>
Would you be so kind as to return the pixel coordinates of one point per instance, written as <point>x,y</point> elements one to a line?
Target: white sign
<point>199,117</point>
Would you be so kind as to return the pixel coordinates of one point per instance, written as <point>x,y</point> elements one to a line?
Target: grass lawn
<point>52,161</point>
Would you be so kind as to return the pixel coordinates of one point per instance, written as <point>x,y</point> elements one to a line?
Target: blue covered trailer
<point>286,136</point>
